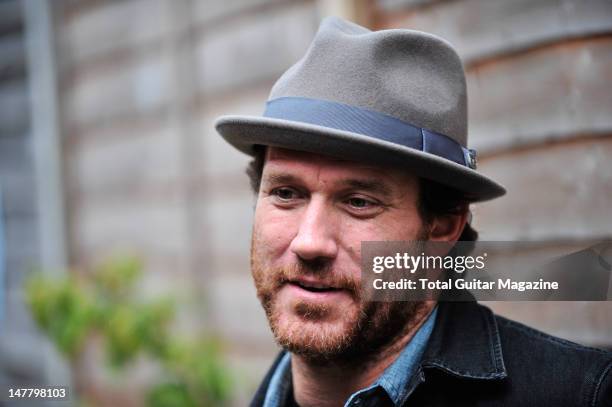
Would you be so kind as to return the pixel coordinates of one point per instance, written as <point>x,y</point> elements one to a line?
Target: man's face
<point>312,214</point>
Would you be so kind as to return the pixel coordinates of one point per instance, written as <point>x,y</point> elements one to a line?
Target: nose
<point>317,234</point>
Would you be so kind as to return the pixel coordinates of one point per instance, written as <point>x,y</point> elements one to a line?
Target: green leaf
<point>170,395</point>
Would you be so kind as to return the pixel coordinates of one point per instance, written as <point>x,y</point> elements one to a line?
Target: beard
<point>322,332</point>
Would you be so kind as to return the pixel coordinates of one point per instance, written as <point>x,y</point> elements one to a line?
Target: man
<point>364,139</point>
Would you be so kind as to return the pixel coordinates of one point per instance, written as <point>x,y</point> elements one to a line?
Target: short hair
<point>435,199</point>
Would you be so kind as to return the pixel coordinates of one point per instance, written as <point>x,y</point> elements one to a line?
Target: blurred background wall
<point>107,146</point>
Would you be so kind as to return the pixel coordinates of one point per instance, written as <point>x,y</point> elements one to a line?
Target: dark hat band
<point>354,119</point>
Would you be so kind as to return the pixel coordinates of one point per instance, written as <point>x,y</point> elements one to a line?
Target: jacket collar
<point>465,343</point>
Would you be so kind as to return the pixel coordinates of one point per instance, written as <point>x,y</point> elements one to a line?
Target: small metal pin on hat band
<point>471,159</point>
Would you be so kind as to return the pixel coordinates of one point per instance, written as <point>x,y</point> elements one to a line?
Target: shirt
<point>390,388</point>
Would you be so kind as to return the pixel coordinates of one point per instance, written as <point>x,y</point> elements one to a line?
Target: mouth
<point>314,287</point>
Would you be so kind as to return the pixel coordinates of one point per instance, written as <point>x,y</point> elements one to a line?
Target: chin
<point>314,332</point>
<point>347,335</point>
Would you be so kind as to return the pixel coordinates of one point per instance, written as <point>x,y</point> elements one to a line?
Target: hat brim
<point>245,132</point>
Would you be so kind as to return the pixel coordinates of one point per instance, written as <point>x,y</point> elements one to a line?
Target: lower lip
<point>315,295</point>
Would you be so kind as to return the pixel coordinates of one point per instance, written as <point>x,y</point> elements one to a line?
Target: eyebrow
<point>371,185</point>
<point>280,179</point>
<point>367,185</point>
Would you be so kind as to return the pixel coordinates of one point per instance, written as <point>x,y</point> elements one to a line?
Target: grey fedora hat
<point>393,96</point>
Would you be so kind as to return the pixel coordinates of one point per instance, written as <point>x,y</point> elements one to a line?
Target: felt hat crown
<point>396,97</point>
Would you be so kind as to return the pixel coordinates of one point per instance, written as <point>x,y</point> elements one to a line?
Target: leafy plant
<point>72,309</point>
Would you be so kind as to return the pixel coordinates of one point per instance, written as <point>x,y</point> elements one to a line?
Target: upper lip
<point>312,283</point>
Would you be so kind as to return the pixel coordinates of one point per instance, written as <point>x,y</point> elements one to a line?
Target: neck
<point>331,384</point>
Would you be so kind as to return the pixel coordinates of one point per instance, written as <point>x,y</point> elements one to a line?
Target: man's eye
<point>359,203</point>
<point>284,194</point>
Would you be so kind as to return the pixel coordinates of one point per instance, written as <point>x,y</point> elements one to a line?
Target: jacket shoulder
<point>567,370</point>
<point>520,331</point>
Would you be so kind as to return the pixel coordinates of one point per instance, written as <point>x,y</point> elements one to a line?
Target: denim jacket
<point>475,358</point>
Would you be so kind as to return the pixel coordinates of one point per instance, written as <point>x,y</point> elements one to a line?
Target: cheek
<point>352,233</point>
<point>273,230</point>
<point>400,225</point>
<point>389,228</point>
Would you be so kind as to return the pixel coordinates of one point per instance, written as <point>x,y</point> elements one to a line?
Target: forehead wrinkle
<point>281,155</point>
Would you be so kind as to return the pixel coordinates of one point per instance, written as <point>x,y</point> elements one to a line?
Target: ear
<point>448,228</point>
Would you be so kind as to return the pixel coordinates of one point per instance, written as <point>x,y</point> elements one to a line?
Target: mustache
<point>320,270</point>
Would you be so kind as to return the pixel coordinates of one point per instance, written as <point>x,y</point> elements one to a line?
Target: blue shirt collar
<point>280,384</point>
<point>394,380</point>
